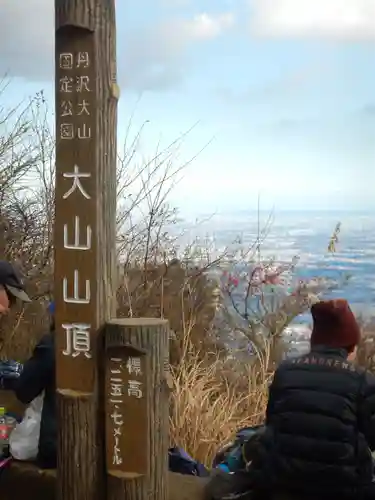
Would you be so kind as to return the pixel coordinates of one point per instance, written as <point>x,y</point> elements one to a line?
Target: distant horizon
<point>308,209</point>
<point>266,212</point>
<point>305,234</point>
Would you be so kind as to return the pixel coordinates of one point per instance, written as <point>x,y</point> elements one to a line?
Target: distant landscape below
<point>306,234</point>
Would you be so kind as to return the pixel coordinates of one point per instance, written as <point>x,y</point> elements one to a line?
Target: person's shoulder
<point>292,362</point>
<point>283,368</point>
<point>368,378</point>
<point>47,341</point>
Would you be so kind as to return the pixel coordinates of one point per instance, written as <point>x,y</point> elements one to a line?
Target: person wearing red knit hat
<point>320,420</point>
<point>334,325</point>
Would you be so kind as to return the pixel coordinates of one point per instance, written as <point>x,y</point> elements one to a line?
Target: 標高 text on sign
<point>117,394</point>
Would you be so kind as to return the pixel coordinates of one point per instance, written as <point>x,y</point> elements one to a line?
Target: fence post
<point>137,411</point>
<point>84,239</point>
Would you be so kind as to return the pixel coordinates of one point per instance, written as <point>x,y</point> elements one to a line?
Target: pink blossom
<point>233,280</point>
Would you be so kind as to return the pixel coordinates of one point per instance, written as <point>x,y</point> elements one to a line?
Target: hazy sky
<point>285,89</point>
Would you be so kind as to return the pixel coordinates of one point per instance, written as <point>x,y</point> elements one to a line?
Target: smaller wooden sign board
<point>127,412</point>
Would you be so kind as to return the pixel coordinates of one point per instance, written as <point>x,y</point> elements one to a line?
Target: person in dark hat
<point>37,377</point>
<point>11,287</point>
<point>335,326</point>
<point>320,421</point>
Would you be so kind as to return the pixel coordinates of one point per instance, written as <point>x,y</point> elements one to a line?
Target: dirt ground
<point>185,487</point>
<point>23,480</point>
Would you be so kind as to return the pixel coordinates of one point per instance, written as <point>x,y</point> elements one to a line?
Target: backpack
<point>237,455</point>
<point>182,463</point>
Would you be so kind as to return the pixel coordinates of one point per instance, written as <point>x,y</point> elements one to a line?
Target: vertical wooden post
<point>137,411</point>
<point>84,239</point>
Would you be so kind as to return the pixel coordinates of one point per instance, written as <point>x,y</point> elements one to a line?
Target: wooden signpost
<point>84,239</point>
<point>137,410</point>
<point>112,406</point>
<point>127,410</point>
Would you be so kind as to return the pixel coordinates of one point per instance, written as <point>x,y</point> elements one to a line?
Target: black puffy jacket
<point>320,429</point>
<point>38,375</point>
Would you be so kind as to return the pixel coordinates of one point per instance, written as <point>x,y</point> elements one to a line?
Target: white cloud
<point>156,57</point>
<point>150,55</point>
<point>332,19</point>
<point>27,38</point>
<point>177,34</point>
<point>205,27</point>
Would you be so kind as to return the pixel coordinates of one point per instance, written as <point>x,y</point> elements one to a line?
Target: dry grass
<point>214,394</point>
<point>366,351</point>
<point>212,398</point>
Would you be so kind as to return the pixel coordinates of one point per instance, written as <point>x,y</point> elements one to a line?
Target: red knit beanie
<point>334,324</point>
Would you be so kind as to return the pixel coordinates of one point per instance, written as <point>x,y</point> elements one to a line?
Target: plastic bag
<point>24,439</point>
